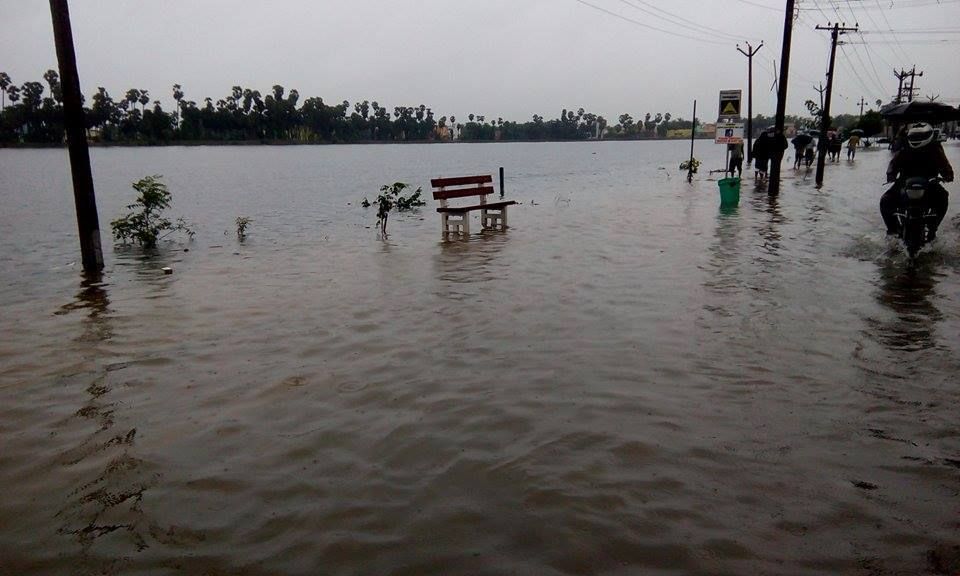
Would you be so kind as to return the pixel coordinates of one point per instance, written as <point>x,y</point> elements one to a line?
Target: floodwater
<point>628,381</point>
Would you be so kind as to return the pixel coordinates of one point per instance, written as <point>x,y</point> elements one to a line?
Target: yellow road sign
<point>729,104</point>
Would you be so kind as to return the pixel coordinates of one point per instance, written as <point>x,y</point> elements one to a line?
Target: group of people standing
<point>768,146</point>
<point>921,156</point>
<point>765,148</point>
<point>771,146</point>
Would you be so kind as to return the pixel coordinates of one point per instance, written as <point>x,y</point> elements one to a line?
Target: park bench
<point>456,219</point>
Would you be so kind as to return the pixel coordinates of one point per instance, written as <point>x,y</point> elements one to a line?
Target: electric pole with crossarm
<point>835,31</point>
<point>749,54</point>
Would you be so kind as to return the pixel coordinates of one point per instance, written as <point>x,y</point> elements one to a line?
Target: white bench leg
<point>459,224</point>
<point>493,220</point>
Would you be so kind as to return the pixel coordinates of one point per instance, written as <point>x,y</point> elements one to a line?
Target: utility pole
<point>693,134</point>
<point>820,90</point>
<point>835,33</point>
<point>773,185</point>
<point>749,54</point>
<point>901,75</point>
<point>88,222</point>
<point>913,75</point>
<point>862,102</point>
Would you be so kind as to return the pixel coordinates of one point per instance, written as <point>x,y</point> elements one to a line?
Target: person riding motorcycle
<point>921,157</point>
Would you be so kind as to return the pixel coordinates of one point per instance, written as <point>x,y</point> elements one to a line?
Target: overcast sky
<point>506,58</point>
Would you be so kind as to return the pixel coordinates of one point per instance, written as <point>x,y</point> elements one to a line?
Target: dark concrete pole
<point>88,222</point>
<point>825,112</point>
<point>693,134</point>
<point>749,54</point>
<point>773,186</point>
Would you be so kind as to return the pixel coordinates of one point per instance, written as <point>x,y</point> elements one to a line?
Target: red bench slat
<point>461,180</point>
<point>462,192</point>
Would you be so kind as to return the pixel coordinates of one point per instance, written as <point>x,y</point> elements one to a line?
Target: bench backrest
<point>462,187</point>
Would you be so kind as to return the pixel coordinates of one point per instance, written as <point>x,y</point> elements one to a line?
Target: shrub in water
<point>391,195</point>
<point>242,223</point>
<point>146,224</point>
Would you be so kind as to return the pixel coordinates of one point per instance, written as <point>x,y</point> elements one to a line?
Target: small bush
<point>242,223</point>
<point>146,224</point>
<point>391,196</point>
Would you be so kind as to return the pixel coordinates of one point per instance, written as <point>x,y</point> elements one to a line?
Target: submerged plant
<point>242,223</point>
<point>146,224</point>
<point>391,195</point>
<point>692,165</point>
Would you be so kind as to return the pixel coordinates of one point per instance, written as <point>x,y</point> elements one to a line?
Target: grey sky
<point>507,58</point>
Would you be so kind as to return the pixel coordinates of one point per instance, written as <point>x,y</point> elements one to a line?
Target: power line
<point>645,25</point>
<point>901,4</point>
<point>681,21</point>
<point>906,57</point>
<point>876,73</point>
<point>757,5</point>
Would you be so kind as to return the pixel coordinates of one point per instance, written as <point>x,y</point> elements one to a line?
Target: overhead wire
<point>906,57</point>
<point>875,78</point>
<point>648,26</point>
<point>758,5</point>
<point>900,4</point>
<point>685,23</point>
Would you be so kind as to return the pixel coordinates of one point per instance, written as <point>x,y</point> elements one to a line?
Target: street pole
<point>88,223</point>
<point>901,75</point>
<point>693,134</point>
<point>862,102</point>
<point>773,186</point>
<point>820,91</point>
<point>835,33</point>
<point>913,75</point>
<point>749,54</point>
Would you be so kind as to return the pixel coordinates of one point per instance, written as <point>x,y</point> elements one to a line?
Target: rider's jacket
<point>927,162</point>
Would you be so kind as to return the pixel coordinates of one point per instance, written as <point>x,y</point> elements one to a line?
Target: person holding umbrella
<point>921,157</point>
<point>852,143</point>
<point>800,143</point>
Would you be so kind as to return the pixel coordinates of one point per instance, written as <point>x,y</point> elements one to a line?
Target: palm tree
<point>178,96</point>
<point>132,97</point>
<point>4,84</point>
<point>53,80</point>
<point>144,99</point>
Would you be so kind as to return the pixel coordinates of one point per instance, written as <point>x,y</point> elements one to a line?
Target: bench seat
<point>487,206</point>
<point>456,219</point>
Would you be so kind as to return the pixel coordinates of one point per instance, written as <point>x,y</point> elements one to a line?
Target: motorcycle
<point>915,215</point>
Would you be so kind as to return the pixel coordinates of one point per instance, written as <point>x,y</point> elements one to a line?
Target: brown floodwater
<point>628,381</point>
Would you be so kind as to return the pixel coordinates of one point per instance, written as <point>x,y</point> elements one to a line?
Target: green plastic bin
<point>729,191</point>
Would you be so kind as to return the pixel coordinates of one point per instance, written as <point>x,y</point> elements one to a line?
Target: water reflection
<point>93,298</point>
<point>104,505</point>
<point>908,289</point>
<point>148,264</point>
<point>724,252</point>
<point>471,261</point>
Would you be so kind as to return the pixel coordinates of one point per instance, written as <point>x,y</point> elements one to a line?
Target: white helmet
<point>919,134</point>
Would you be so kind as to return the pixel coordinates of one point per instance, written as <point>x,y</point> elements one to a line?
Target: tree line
<point>32,113</point>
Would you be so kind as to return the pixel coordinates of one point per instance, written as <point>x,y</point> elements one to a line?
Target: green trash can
<point>729,191</point>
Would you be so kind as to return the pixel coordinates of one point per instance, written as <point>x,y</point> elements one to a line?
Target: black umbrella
<point>917,111</point>
<point>802,140</point>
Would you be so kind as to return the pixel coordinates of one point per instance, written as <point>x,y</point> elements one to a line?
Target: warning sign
<point>731,133</point>
<point>730,104</point>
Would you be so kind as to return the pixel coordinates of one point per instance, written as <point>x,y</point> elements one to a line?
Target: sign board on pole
<point>731,133</point>
<point>730,104</point>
